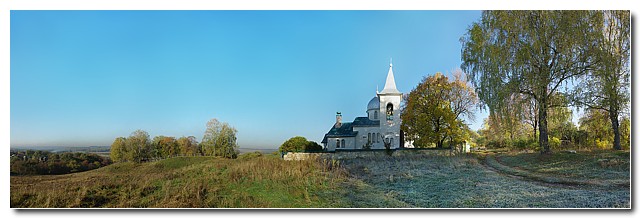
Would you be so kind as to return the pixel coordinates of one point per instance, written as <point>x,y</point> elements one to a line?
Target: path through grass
<point>462,182</point>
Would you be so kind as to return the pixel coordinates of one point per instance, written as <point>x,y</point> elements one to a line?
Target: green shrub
<point>603,144</point>
<point>554,143</point>
<point>299,144</point>
<point>525,144</point>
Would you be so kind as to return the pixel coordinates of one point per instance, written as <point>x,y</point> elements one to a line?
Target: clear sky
<point>81,78</point>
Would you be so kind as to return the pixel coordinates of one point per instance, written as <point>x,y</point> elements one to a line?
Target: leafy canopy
<point>434,110</point>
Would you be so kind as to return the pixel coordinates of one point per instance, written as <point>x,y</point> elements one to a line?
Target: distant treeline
<point>219,140</point>
<point>35,162</point>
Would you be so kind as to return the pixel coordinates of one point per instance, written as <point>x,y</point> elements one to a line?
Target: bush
<point>525,144</point>
<point>603,144</point>
<point>299,144</point>
<point>554,143</point>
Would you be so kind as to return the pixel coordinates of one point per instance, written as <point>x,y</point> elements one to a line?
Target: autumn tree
<point>607,87</point>
<point>534,53</point>
<point>138,146</point>
<point>165,146</point>
<point>188,146</point>
<point>220,140</point>
<point>434,110</point>
<point>118,150</point>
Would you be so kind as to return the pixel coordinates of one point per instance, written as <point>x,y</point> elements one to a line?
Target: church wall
<point>362,137</point>
<point>332,142</point>
<point>331,145</point>
<point>371,154</point>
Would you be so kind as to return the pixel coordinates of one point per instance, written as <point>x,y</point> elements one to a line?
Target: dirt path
<point>425,181</point>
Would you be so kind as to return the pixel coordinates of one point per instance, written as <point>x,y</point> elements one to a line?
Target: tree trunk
<point>542,118</point>
<point>440,143</point>
<point>535,128</point>
<point>613,115</point>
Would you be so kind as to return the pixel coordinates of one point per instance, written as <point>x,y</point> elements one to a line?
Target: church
<point>381,125</point>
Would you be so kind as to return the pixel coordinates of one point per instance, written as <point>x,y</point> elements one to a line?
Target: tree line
<point>529,67</point>
<point>219,140</point>
<point>36,162</point>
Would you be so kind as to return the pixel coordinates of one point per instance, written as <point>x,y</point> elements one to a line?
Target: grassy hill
<point>185,182</point>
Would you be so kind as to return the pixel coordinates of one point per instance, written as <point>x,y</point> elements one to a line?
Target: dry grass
<point>184,182</point>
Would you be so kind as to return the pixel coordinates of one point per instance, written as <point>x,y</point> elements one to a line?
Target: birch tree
<point>535,53</point>
<point>607,87</point>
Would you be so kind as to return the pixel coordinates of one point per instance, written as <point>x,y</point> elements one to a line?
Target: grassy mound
<point>185,182</point>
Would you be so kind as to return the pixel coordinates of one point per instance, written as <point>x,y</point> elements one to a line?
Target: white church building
<point>382,123</point>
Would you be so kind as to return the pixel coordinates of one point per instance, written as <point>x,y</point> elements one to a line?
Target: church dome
<point>374,104</point>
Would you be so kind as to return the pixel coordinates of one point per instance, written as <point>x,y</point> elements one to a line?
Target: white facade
<point>381,124</point>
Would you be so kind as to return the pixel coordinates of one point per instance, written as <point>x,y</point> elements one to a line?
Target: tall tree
<point>528,52</point>
<point>118,150</point>
<point>220,140</point>
<point>138,146</point>
<point>607,87</point>
<point>434,110</point>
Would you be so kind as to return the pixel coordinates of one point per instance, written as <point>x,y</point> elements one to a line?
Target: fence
<point>350,154</point>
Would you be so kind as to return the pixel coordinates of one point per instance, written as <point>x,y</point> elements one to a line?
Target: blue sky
<point>83,78</point>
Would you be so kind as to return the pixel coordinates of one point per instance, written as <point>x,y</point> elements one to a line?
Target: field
<point>403,180</point>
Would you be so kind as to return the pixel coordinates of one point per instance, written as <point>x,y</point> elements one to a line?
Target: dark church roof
<point>345,130</point>
<point>365,121</point>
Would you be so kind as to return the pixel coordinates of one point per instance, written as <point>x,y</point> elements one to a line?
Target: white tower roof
<point>390,84</point>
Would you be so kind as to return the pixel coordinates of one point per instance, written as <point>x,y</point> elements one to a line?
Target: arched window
<point>378,138</point>
<point>389,111</point>
<point>368,137</point>
<point>375,115</point>
<point>337,143</point>
<point>343,144</point>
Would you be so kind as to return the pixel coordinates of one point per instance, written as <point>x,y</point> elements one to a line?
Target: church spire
<point>390,84</point>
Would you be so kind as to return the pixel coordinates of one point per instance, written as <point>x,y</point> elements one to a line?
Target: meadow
<point>183,182</point>
<point>403,180</point>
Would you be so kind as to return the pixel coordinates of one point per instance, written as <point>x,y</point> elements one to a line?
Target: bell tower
<point>390,99</point>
